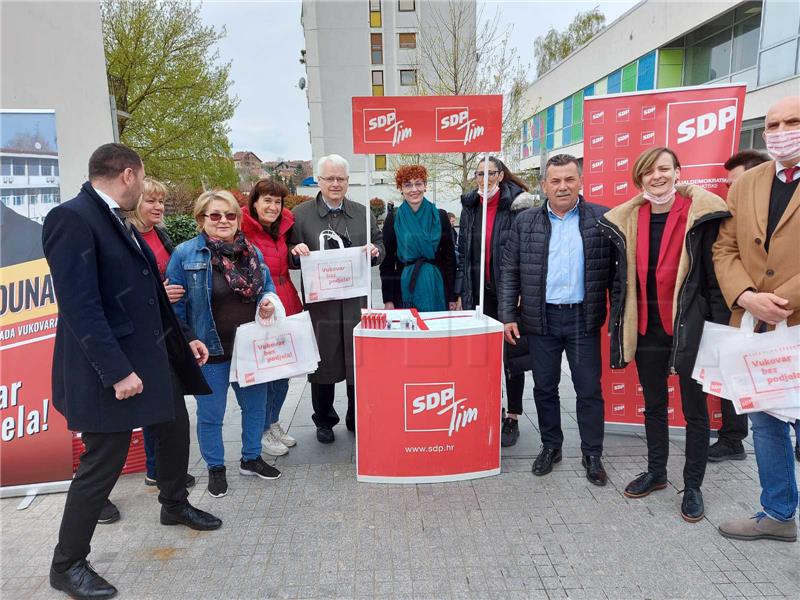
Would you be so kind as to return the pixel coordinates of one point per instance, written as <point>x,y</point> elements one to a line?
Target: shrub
<point>292,201</point>
<point>180,228</point>
<point>378,207</point>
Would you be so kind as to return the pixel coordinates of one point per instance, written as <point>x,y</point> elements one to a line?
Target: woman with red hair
<point>419,270</point>
<point>267,224</point>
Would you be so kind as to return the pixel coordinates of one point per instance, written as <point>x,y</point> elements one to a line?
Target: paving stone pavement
<point>317,533</point>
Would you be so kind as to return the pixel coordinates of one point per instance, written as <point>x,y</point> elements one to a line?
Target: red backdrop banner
<point>702,126</point>
<point>427,124</point>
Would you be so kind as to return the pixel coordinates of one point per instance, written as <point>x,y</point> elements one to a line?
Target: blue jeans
<point>276,395</point>
<point>775,458</point>
<point>566,331</point>
<point>211,410</point>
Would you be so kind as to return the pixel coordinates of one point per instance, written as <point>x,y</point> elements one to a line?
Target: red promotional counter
<point>428,400</point>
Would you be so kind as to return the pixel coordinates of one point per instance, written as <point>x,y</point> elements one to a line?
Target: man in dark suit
<point>121,360</point>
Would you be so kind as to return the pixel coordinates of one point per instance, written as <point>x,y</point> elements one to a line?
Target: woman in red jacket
<point>267,225</point>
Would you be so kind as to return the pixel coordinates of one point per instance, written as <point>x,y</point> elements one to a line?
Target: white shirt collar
<point>779,168</point>
<point>112,204</point>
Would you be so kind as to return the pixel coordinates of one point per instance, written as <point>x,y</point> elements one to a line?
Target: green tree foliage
<point>164,70</point>
<point>180,228</point>
<point>555,46</point>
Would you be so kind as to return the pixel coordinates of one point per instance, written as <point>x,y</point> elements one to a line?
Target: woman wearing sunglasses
<point>225,279</point>
<point>507,196</point>
<point>420,265</point>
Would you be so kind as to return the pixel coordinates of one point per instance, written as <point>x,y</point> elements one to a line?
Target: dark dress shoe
<point>644,484</point>
<point>722,450</point>
<point>544,462</point>
<point>108,514</point>
<point>80,581</point>
<point>192,517</point>
<point>509,434</point>
<point>692,509</point>
<point>325,435</point>
<point>351,425</point>
<point>595,472</point>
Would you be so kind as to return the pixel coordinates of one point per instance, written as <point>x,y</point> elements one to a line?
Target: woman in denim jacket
<point>225,278</point>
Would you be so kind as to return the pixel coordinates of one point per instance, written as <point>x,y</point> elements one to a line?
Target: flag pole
<point>368,173</point>
<point>479,309</point>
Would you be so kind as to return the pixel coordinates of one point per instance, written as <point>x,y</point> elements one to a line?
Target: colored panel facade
<point>567,133</point>
<point>670,67</point>
<point>614,82</point>
<point>645,79</point>
<point>629,78</point>
<point>577,117</point>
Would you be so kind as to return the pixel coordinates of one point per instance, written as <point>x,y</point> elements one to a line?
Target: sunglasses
<point>216,217</point>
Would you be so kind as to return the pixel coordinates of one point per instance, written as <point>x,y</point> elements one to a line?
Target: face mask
<point>492,191</point>
<point>662,199</point>
<point>783,145</point>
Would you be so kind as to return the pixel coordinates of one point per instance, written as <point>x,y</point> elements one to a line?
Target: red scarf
<point>669,255</point>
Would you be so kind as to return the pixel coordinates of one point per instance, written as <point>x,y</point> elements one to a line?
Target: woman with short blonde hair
<point>228,284</point>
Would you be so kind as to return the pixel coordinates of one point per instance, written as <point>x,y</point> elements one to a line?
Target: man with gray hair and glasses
<point>333,320</point>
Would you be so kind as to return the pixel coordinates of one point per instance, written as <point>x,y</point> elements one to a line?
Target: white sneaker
<point>272,445</point>
<point>279,434</point>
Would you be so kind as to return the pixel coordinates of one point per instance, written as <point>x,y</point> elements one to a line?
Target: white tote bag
<point>334,274</point>
<point>285,348</point>
<point>715,338</point>
<point>762,370</point>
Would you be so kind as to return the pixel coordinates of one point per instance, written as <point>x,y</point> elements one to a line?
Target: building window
<point>375,13</point>
<point>780,21</point>
<point>380,162</point>
<point>777,63</point>
<point>408,77</point>
<point>408,41</point>
<point>376,44</point>
<point>725,46</point>
<point>5,167</point>
<point>377,83</point>
<point>406,5</point>
<point>18,166</point>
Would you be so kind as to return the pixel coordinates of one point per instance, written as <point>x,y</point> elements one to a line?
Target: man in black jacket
<point>554,281</point>
<point>121,360</point>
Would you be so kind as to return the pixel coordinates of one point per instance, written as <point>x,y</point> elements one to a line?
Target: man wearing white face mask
<point>758,264</point>
<point>665,289</point>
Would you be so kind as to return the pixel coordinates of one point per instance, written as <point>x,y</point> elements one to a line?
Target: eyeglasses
<point>216,217</point>
<point>413,185</point>
<point>479,174</point>
<point>334,179</point>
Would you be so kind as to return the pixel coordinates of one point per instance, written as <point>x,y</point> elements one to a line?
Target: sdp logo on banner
<point>453,124</point>
<point>700,128</point>
<point>381,126</point>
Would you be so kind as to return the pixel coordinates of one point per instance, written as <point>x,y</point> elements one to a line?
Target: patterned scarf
<point>238,262</point>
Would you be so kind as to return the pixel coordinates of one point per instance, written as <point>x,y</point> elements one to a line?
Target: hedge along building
<point>657,45</point>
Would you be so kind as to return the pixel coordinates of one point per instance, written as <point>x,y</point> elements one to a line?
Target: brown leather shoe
<point>759,527</point>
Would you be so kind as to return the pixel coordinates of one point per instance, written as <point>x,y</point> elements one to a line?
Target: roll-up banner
<point>35,444</point>
<point>702,126</point>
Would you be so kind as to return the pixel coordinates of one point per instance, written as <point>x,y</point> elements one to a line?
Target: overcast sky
<point>264,42</point>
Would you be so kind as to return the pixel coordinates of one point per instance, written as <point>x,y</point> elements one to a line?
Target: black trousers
<point>652,363</point>
<point>734,427</point>
<point>322,401</point>
<point>100,467</point>
<point>515,383</point>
